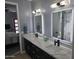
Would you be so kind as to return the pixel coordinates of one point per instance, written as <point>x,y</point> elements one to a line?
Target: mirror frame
<point>42,18</point>
<point>64,41</point>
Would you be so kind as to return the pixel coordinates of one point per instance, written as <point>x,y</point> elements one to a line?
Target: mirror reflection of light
<point>16,24</point>
<point>17,32</point>
<point>16,28</point>
<point>16,21</point>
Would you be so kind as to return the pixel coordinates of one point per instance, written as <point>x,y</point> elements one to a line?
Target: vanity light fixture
<point>33,12</point>
<point>36,11</point>
<point>54,5</point>
<point>60,4</point>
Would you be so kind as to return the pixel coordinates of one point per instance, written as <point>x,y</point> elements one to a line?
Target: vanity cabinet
<point>35,52</point>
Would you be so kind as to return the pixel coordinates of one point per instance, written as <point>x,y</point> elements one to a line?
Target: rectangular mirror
<point>62,25</point>
<point>39,24</point>
<point>56,24</point>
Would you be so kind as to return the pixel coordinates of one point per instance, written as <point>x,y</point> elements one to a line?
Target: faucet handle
<point>57,42</point>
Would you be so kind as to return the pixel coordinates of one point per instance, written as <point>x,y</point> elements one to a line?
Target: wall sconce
<point>36,11</point>
<point>33,12</point>
<point>60,4</point>
<point>54,5</point>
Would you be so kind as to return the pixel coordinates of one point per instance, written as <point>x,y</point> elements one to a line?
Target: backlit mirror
<point>56,24</point>
<point>62,25</point>
<point>39,24</point>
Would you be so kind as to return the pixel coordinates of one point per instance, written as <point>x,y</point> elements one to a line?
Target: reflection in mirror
<point>38,23</point>
<point>56,24</point>
<point>62,25</point>
<point>67,24</point>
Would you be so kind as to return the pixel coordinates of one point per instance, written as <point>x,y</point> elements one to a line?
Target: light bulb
<point>16,28</point>
<point>17,32</point>
<point>16,24</point>
<point>53,5</point>
<point>38,10</point>
<point>63,3</point>
<point>16,21</point>
<point>33,12</point>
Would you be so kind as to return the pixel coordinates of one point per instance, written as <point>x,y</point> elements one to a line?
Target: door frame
<point>17,8</point>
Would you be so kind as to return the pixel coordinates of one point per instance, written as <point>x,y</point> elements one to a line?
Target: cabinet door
<point>29,48</point>
<point>43,55</point>
<point>35,52</point>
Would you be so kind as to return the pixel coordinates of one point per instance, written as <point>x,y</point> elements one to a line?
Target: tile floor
<point>20,56</point>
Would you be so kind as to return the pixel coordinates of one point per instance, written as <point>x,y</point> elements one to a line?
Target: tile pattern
<point>20,56</point>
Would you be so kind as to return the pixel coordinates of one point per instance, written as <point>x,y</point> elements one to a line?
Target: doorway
<point>12,45</point>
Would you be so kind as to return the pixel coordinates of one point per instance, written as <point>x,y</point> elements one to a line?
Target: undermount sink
<point>59,50</point>
<point>44,42</point>
<point>50,47</point>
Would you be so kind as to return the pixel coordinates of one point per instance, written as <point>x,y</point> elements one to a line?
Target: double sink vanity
<point>42,48</point>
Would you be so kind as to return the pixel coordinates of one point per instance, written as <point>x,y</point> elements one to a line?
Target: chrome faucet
<point>57,42</point>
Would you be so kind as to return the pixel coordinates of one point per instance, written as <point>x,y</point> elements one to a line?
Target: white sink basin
<point>43,42</point>
<point>59,50</point>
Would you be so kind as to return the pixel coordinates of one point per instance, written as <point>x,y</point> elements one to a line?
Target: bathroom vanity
<point>39,48</point>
